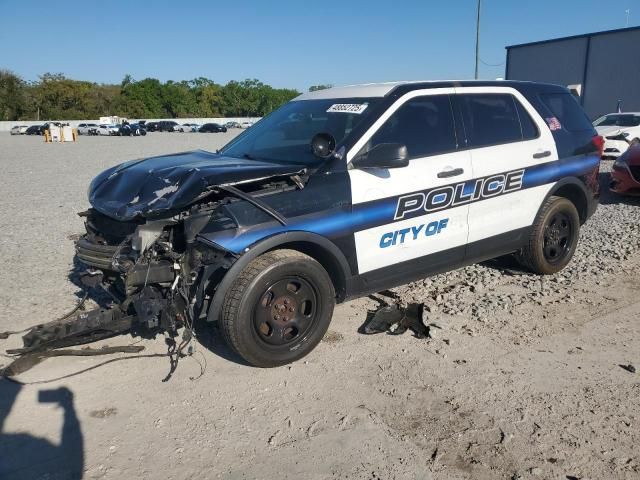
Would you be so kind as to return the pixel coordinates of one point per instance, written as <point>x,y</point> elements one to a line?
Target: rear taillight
<point>598,142</point>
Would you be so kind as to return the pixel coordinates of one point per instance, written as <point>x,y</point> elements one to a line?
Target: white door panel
<point>402,237</point>
<point>517,209</point>
<point>413,238</point>
<point>420,174</point>
<point>506,212</point>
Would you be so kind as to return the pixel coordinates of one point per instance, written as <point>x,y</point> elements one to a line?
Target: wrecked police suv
<point>339,193</point>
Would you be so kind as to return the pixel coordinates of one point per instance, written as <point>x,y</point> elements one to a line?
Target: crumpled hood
<point>158,186</point>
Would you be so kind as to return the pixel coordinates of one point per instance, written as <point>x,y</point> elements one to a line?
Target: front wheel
<point>278,308</point>
<point>554,237</point>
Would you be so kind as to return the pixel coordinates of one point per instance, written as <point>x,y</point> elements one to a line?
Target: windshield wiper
<point>248,156</point>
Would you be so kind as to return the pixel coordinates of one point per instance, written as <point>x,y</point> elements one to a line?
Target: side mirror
<point>323,145</point>
<point>383,155</point>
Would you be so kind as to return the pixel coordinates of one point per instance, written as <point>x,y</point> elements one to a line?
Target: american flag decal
<point>554,123</point>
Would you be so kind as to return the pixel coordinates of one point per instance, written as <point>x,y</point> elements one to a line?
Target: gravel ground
<point>521,379</point>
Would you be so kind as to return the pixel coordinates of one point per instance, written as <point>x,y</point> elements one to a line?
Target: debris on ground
<point>629,368</point>
<point>396,320</point>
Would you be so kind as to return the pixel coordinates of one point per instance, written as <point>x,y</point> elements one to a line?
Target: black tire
<point>553,239</point>
<point>278,308</point>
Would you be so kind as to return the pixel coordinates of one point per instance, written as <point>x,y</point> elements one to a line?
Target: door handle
<point>546,153</point>
<point>451,173</point>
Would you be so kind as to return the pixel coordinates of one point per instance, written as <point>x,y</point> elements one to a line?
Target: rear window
<point>565,108</point>
<point>493,119</point>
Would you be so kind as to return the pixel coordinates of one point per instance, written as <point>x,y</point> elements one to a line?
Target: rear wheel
<point>278,308</point>
<point>554,238</point>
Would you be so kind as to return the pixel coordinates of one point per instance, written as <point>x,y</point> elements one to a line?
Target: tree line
<point>56,97</point>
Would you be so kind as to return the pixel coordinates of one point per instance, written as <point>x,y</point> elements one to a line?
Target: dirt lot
<point>521,380</point>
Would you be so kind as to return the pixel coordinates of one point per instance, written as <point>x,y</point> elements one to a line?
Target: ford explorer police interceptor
<point>337,194</point>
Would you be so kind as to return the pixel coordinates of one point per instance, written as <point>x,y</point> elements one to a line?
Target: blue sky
<point>286,43</point>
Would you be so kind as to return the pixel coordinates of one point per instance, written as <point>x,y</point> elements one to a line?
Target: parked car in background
<point>212,128</point>
<point>151,126</point>
<point>19,129</point>
<point>613,125</point>
<point>625,175</point>
<point>87,128</point>
<point>108,130</point>
<point>246,124</point>
<point>46,126</point>
<point>132,130</point>
<point>35,130</point>
<point>186,127</point>
<point>167,126</point>
<point>233,125</point>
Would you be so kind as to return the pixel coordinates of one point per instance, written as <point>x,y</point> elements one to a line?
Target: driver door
<point>406,218</point>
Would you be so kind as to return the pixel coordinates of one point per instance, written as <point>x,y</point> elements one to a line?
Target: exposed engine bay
<point>158,271</point>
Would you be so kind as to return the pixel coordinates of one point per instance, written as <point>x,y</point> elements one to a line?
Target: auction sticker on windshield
<point>347,108</point>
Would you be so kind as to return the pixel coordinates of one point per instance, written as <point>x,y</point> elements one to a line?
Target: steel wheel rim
<point>285,311</point>
<point>557,238</point>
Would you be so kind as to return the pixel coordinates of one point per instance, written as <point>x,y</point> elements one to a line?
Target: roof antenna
<point>477,38</point>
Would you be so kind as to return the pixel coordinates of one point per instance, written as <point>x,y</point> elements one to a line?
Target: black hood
<point>161,186</point>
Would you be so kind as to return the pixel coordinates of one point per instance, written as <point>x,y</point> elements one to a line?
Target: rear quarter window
<point>565,108</point>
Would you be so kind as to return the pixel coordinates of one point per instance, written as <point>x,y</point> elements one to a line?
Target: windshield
<point>285,135</point>
<point>618,120</point>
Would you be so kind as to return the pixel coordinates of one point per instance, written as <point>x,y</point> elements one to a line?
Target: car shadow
<point>210,337</point>
<point>24,456</point>
<point>507,265</point>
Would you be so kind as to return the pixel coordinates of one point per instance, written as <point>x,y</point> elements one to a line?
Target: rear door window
<point>565,108</point>
<point>424,125</point>
<point>493,119</point>
<point>529,127</point>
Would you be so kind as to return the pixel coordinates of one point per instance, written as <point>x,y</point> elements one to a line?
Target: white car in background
<point>246,124</point>
<point>615,125</point>
<point>186,127</point>
<point>86,128</point>
<point>19,129</point>
<point>108,130</point>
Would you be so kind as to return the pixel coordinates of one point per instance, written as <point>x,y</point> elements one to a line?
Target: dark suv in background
<point>212,128</point>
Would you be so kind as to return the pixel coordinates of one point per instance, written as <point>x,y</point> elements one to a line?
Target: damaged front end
<point>143,243</point>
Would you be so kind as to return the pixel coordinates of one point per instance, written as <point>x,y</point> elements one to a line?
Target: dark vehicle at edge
<point>212,128</point>
<point>132,130</point>
<point>35,130</point>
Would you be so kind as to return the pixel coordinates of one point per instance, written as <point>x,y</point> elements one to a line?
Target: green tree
<point>56,97</point>
<point>13,101</point>
<point>315,88</point>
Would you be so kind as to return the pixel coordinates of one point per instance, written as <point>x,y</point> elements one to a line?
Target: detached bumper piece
<point>83,328</point>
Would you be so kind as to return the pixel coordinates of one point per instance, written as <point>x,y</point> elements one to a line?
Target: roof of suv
<point>382,89</point>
